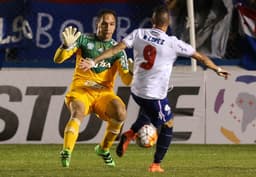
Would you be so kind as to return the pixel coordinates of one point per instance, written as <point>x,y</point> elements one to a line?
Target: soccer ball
<point>147,136</point>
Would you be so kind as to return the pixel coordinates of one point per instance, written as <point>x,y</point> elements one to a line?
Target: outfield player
<point>92,91</point>
<point>154,55</point>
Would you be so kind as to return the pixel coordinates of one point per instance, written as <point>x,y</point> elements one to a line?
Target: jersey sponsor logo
<point>103,65</point>
<point>153,39</point>
<point>90,46</point>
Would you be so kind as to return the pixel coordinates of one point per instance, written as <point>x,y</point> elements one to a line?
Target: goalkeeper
<point>92,91</point>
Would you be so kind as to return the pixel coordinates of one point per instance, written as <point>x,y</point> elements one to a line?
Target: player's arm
<point>68,48</point>
<point>208,62</point>
<point>110,52</point>
<point>89,63</point>
<point>63,54</point>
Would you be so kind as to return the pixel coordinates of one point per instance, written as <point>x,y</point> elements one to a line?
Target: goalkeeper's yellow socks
<point>111,133</point>
<point>71,133</point>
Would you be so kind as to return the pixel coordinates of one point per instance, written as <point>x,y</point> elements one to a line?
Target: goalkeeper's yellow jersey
<point>104,73</point>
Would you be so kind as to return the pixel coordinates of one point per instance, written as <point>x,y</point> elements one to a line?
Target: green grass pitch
<point>182,160</point>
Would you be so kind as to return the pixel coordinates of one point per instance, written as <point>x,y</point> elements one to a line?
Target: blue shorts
<point>157,112</point>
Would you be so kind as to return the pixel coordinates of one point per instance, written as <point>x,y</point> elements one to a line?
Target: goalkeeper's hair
<point>102,12</point>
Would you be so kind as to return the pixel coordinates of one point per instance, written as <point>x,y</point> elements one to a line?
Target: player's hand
<point>130,64</point>
<point>223,73</point>
<point>70,35</point>
<point>85,64</point>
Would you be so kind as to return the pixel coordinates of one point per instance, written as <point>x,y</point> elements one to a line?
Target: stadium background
<point>207,109</point>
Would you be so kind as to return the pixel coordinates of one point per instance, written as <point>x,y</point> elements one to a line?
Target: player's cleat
<point>155,167</point>
<point>65,157</point>
<point>126,138</point>
<point>106,156</point>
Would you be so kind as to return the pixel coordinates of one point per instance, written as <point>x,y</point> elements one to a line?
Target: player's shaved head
<point>161,16</point>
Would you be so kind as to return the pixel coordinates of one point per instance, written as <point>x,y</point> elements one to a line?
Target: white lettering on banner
<point>1,27</point>
<point>27,31</point>
<point>45,22</point>
<point>2,40</point>
<point>123,25</point>
<point>94,20</point>
<point>17,28</point>
<point>42,30</point>
<point>20,28</point>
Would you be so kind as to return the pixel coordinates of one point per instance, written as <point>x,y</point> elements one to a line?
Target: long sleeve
<point>62,55</point>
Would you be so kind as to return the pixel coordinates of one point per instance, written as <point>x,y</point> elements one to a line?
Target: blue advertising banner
<point>30,30</point>
<point>11,20</point>
<point>42,21</point>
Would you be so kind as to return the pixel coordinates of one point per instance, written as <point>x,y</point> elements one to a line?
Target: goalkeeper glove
<point>130,64</point>
<point>69,36</point>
